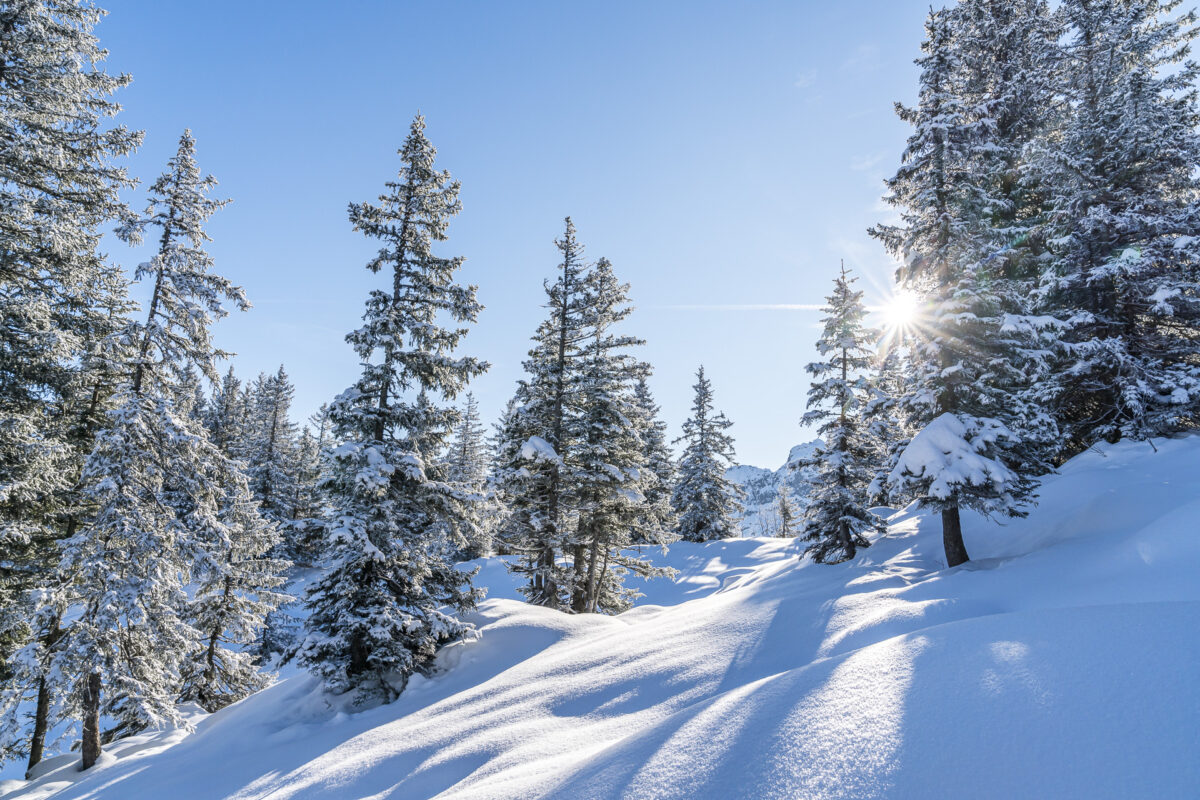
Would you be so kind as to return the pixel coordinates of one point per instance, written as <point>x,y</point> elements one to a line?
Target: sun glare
<point>899,312</point>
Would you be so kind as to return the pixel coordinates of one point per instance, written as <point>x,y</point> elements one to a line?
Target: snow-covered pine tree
<point>227,415</point>
<point>59,299</point>
<point>269,451</point>
<point>704,500</point>
<point>610,465</point>
<point>314,459</point>
<point>467,465</point>
<point>162,494</point>
<point>837,518</point>
<point>788,527</point>
<point>976,354</point>
<point>540,436</point>
<point>235,599</point>
<point>466,457</point>
<point>389,602</point>
<point>660,523</point>
<point>191,401</point>
<point>885,420</point>
<point>1119,169</point>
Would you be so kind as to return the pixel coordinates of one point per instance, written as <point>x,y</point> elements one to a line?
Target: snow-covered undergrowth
<point>1060,662</point>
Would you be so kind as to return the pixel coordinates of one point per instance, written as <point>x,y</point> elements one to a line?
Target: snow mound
<point>1059,663</point>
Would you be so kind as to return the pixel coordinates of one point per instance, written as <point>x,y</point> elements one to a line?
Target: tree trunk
<point>91,721</point>
<point>590,605</point>
<point>37,743</point>
<point>546,588</point>
<point>952,539</point>
<point>596,595</point>
<point>579,595</point>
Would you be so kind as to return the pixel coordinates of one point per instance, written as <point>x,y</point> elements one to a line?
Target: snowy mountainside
<point>1060,662</point>
<point>761,514</point>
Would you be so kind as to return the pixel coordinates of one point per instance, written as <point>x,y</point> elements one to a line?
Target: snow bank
<point>1059,663</point>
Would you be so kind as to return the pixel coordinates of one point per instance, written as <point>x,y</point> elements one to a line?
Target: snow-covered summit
<point>1060,662</point>
<point>761,516</point>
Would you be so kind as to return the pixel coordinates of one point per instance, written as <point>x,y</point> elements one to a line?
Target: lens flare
<point>899,312</point>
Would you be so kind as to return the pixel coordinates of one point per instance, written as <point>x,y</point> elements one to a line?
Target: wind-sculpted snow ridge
<point>1058,663</point>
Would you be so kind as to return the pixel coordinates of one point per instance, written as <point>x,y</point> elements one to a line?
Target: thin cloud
<point>865,163</point>
<point>865,58</point>
<point>806,79</point>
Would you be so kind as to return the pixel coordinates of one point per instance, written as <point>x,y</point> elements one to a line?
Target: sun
<point>899,312</point>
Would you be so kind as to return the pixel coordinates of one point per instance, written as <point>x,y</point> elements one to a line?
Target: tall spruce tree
<point>836,518</point>
<point>269,450</point>
<point>467,465</point>
<point>571,463</point>
<point>611,470</point>
<point>1119,169</point>
<point>535,458</point>
<point>703,498</point>
<point>389,602</point>
<point>162,494</point>
<point>60,300</point>
<point>314,459</point>
<point>659,523</point>
<point>977,354</point>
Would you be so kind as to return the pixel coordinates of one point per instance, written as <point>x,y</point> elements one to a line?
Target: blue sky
<point>724,156</point>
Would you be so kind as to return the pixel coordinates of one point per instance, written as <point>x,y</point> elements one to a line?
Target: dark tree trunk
<point>91,721</point>
<point>590,604</point>
<point>546,588</point>
<point>952,539</point>
<point>579,594</point>
<point>37,743</point>
<point>41,716</point>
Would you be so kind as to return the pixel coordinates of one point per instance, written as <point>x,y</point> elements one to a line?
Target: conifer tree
<point>60,300</point>
<point>977,355</point>
<point>314,460</point>
<point>836,517</point>
<point>611,469</point>
<point>703,498</point>
<point>787,514</point>
<point>883,414</point>
<point>466,454</point>
<point>535,457</point>
<point>162,493</point>
<point>227,415</point>
<point>1118,167</point>
<point>389,602</point>
<point>269,451</point>
<point>659,523</point>
<point>466,461</point>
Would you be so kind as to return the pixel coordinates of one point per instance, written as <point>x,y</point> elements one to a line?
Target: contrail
<point>746,307</point>
<point>757,307</point>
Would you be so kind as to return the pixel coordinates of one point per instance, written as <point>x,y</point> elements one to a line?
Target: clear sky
<point>723,155</point>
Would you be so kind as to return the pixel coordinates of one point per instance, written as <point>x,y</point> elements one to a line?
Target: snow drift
<point>1059,663</point>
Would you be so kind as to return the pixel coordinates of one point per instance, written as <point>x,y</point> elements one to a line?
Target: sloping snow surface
<point>1060,662</point>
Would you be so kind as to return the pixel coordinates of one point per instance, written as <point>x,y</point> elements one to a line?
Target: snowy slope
<point>1061,662</point>
<point>761,514</point>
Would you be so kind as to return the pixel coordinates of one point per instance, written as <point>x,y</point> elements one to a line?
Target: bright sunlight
<point>899,312</point>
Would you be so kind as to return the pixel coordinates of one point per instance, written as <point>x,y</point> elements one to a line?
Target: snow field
<point>1060,662</point>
